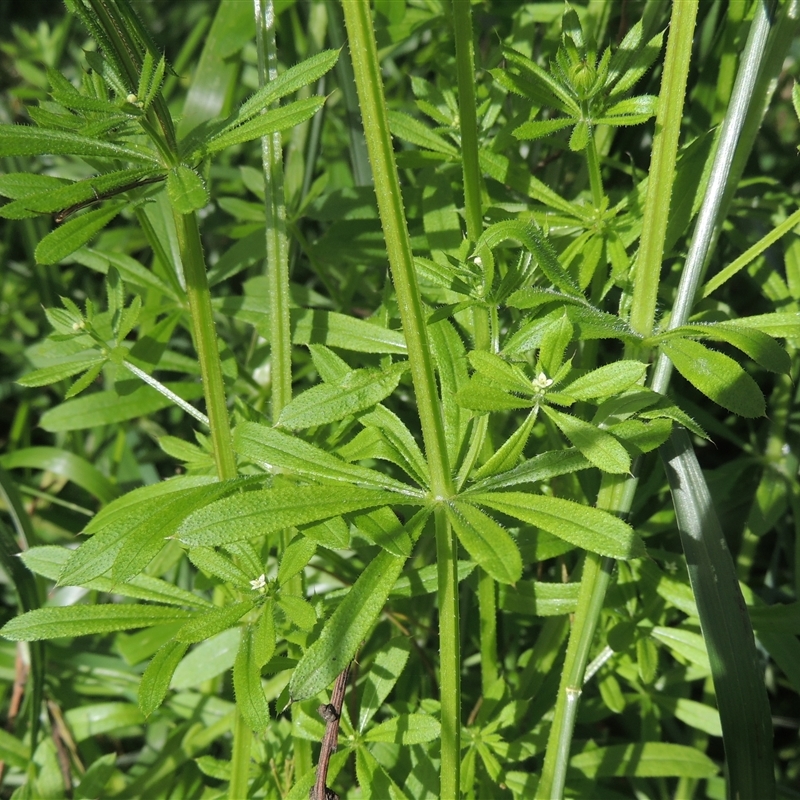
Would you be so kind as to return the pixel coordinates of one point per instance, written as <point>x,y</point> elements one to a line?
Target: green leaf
<point>717,376</point>
<point>539,598</point>
<point>601,448</point>
<point>250,698</point>
<point>138,528</point>
<point>17,185</point>
<point>411,130</point>
<point>510,452</point>
<point>298,611</point>
<point>755,343</point>
<point>89,721</point>
<point>219,565</point>
<point>75,233</point>
<point>384,528</point>
<point>686,643</point>
<point>359,390</point>
<point>538,468</point>
<point>406,729</point>
<point>539,128</point>
<point>584,526</point>
<point>186,190</point>
<point>373,779</point>
<point>486,541</point>
<point>158,675</point>
<point>347,627</point>
<point>605,381</point>
<point>258,513</point>
<point>295,558</point>
<point>210,658</point>
<point>106,408</point>
<point>272,121</point>
<point>697,715</point>
<point>508,377</point>
<point>313,325</point>
<point>58,622</point>
<point>382,674</point>
<point>25,140</point>
<point>214,621</point>
<point>271,448</point>
<point>480,395</point>
<point>61,462</point>
<point>644,760</point>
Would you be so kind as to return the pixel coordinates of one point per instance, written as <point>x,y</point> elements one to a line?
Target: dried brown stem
<point>331,713</point>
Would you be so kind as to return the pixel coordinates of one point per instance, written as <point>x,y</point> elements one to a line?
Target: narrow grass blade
<point>743,706</point>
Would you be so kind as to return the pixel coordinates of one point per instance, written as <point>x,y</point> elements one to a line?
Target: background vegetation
<point>414,462</point>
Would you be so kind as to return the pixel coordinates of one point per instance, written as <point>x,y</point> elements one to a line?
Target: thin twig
<point>331,713</point>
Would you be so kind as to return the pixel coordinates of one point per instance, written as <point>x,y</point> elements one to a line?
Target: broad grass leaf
<point>214,621</point>
<point>347,627</point>
<point>250,698</point>
<point>25,140</point>
<point>158,675</point>
<point>256,514</point>
<point>727,632</point>
<point>75,233</point>
<point>382,674</point>
<point>271,448</point>
<point>601,448</point>
<point>538,468</point>
<point>406,729</point>
<point>186,190</point>
<point>62,621</point>
<point>717,376</point>
<point>645,760</point>
<point>487,542</point>
<point>62,462</point>
<point>539,598</point>
<point>107,408</point>
<point>584,526</point>
<point>327,402</point>
<point>605,381</point>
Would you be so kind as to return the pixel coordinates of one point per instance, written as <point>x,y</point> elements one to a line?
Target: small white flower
<point>131,98</point>
<point>541,382</point>
<point>671,567</point>
<point>259,584</point>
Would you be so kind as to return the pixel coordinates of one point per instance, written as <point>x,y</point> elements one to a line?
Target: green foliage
<point>265,420</point>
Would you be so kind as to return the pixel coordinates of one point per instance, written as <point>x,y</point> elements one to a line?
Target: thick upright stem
<point>205,342</point>
<point>398,245</point>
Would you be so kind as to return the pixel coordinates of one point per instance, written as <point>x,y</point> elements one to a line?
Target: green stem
<point>240,758</point>
<point>662,166</point>
<point>708,217</point>
<point>616,495</point>
<point>449,658</point>
<point>398,245</point>
<point>205,342</point>
<point>593,167</point>
<point>465,71</point>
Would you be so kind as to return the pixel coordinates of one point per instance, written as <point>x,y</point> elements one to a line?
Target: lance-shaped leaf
<point>406,729</point>
<point>503,374</point>
<point>25,140</point>
<point>382,675</point>
<point>271,448</point>
<point>278,119</point>
<point>480,395</point>
<point>605,381</point>
<point>601,448</point>
<point>359,390</point>
<point>214,621</point>
<point>645,760</point>
<point>139,528</point>
<point>412,130</point>
<point>250,698</point>
<point>158,675</point>
<point>486,541</point>
<point>215,563</point>
<point>347,627</point>
<point>538,468</point>
<point>54,623</point>
<point>75,233</point>
<point>258,513</point>
<point>186,190</point>
<point>584,526</point>
<point>755,343</point>
<point>717,376</point>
